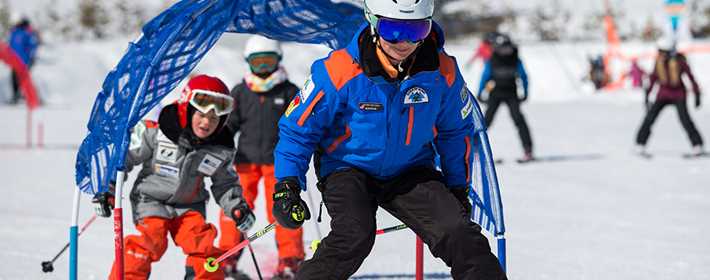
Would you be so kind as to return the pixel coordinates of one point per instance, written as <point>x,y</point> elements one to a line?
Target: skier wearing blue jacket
<point>500,78</point>
<point>374,115</point>
<point>24,41</point>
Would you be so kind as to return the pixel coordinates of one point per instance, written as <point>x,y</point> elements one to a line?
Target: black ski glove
<point>289,209</point>
<point>243,217</point>
<point>103,204</point>
<point>461,194</point>
<point>697,101</point>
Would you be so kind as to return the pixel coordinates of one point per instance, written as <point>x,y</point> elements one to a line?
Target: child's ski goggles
<point>263,62</point>
<point>398,30</point>
<point>204,101</point>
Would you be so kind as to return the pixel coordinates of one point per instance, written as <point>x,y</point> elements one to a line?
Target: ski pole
<point>256,265</point>
<point>315,243</point>
<point>47,266</point>
<point>212,264</point>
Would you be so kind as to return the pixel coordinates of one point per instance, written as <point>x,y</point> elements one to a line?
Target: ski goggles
<point>399,30</point>
<point>204,101</point>
<point>263,62</point>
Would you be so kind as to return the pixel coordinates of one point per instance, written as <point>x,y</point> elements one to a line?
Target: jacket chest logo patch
<point>416,95</point>
<point>371,106</point>
<point>166,152</point>
<point>209,164</point>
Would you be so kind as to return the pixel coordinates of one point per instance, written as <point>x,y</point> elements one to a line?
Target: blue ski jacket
<point>24,41</point>
<point>382,128</point>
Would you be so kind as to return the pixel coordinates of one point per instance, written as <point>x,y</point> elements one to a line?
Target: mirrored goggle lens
<point>398,30</point>
<point>266,60</point>
<point>206,101</point>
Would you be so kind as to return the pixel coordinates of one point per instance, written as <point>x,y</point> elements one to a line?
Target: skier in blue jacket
<point>374,115</point>
<point>24,41</point>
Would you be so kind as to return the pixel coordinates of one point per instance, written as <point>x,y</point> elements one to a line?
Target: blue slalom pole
<point>501,251</point>
<point>74,236</point>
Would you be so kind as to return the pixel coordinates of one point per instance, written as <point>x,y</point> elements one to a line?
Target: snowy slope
<point>591,211</point>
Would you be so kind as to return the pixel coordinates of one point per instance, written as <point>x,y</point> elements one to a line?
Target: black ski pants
<point>514,107</point>
<point>16,94</point>
<point>420,200</point>
<point>645,130</point>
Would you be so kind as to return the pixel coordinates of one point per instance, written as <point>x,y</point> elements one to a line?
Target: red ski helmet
<point>205,93</point>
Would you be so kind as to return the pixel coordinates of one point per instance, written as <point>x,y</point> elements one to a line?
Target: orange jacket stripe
<point>308,110</point>
<point>467,157</point>
<point>339,140</point>
<point>410,125</point>
<point>447,68</point>
<point>435,131</point>
<point>341,68</point>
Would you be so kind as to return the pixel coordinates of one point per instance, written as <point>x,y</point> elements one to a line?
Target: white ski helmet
<point>666,43</point>
<point>399,9</point>
<point>260,44</point>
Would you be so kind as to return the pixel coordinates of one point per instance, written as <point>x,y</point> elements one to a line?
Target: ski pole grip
<point>211,265</point>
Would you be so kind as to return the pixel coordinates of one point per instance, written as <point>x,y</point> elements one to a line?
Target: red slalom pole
<point>118,225</point>
<point>420,259</point>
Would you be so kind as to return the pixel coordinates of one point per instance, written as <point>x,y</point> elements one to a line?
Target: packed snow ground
<point>590,210</point>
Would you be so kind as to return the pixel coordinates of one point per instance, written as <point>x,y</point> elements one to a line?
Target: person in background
<point>667,75</point>
<point>24,41</point>
<point>499,80</point>
<point>261,99</point>
<point>484,50</point>
<point>185,146</point>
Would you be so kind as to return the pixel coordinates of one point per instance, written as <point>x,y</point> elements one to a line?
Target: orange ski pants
<point>289,242</point>
<point>189,231</point>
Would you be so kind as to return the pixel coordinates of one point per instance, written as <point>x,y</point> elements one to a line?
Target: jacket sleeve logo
<point>294,104</point>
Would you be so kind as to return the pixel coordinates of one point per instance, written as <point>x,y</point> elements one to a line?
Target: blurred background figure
<point>667,75</point>
<point>24,41</point>
<point>597,72</point>
<point>484,50</point>
<point>260,99</point>
<point>636,74</point>
<point>499,80</point>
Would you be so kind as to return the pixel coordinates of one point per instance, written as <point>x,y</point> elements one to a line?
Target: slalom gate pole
<point>29,129</point>
<point>47,266</point>
<point>419,275</point>
<point>118,225</point>
<point>212,264</point>
<point>74,236</point>
<point>501,251</point>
